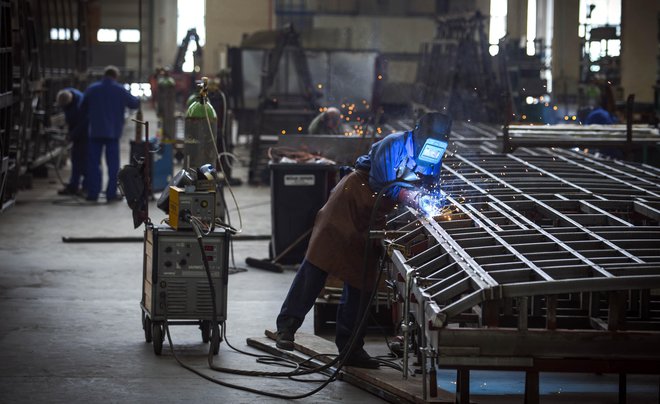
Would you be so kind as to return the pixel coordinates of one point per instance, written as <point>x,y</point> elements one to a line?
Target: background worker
<point>603,106</point>
<point>105,103</point>
<point>340,235</point>
<point>326,123</point>
<point>70,101</point>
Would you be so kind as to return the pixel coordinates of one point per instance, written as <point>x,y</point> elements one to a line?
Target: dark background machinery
<point>456,73</point>
<point>33,68</point>
<point>278,87</point>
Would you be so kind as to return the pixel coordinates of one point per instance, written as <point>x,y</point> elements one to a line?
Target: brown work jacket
<point>340,233</point>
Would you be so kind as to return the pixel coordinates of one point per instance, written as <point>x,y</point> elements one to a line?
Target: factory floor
<point>70,327</point>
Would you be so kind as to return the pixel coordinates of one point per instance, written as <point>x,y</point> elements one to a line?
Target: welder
<point>405,168</point>
<point>70,101</point>
<point>326,123</point>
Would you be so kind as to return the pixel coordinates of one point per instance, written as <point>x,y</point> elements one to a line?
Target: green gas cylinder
<point>166,107</point>
<point>201,127</point>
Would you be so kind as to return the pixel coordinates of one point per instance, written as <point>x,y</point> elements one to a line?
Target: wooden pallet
<point>385,383</point>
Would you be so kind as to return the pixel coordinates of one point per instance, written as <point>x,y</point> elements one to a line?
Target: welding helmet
<point>430,139</point>
<point>207,172</point>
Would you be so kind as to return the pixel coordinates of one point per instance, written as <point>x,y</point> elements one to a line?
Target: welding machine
<point>175,284</point>
<point>184,205</point>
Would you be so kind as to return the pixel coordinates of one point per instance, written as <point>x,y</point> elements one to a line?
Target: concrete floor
<point>71,331</point>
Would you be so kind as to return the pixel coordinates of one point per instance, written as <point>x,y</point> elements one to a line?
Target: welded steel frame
<point>545,261</point>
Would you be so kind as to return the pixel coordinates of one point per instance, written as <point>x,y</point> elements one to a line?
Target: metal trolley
<point>175,286</point>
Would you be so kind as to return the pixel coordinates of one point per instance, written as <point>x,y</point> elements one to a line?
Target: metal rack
<point>35,66</point>
<point>580,136</point>
<point>544,260</point>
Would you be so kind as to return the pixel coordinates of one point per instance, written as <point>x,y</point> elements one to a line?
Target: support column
<point>163,34</point>
<point>516,21</point>
<point>566,51</point>
<point>639,48</point>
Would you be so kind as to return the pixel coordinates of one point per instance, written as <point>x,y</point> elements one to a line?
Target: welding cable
<point>233,157</point>
<point>214,307</point>
<point>365,303</point>
<point>222,135</point>
<point>275,360</point>
<point>227,226</point>
<point>222,169</point>
<point>213,327</point>
<point>339,360</point>
<point>231,385</point>
<point>204,227</point>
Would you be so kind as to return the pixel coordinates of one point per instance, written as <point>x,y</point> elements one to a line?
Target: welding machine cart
<point>175,285</point>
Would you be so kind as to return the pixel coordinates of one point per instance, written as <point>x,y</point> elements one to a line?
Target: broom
<point>272,265</point>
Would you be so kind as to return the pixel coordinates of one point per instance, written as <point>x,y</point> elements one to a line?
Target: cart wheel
<point>146,325</point>
<point>205,327</point>
<point>215,339</point>
<point>158,337</point>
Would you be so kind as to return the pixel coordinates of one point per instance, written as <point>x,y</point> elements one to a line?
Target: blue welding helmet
<point>430,139</point>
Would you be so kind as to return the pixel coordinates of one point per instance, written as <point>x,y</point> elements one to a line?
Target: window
<point>63,34</point>
<point>139,89</point>
<point>129,35</point>
<point>531,27</point>
<point>498,9</point>
<point>600,22</point>
<point>191,14</point>
<point>106,35</point>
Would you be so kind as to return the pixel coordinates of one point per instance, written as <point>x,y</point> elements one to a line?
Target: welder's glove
<point>409,197</point>
<point>430,204</point>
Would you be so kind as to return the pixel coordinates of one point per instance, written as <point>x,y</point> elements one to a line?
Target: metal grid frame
<point>545,260</point>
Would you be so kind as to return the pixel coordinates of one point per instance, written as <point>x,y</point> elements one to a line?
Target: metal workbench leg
<point>531,387</point>
<point>462,386</point>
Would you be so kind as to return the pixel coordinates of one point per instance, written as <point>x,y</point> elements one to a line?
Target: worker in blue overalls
<point>70,101</point>
<point>104,104</point>
<point>397,166</point>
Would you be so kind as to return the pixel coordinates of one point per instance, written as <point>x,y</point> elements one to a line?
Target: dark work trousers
<point>96,146</point>
<point>78,164</point>
<point>306,286</point>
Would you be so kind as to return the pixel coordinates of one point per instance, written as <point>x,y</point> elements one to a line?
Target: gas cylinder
<point>193,97</point>
<point>201,129</point>
<point>166,106</point>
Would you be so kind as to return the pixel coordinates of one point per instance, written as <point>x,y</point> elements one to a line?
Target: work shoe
<point>361,359</point>
<point>67,191</point>
<point>284,340</point>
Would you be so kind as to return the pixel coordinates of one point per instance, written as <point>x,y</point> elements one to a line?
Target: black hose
<point>235,371</point>
<point>340,359</point>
